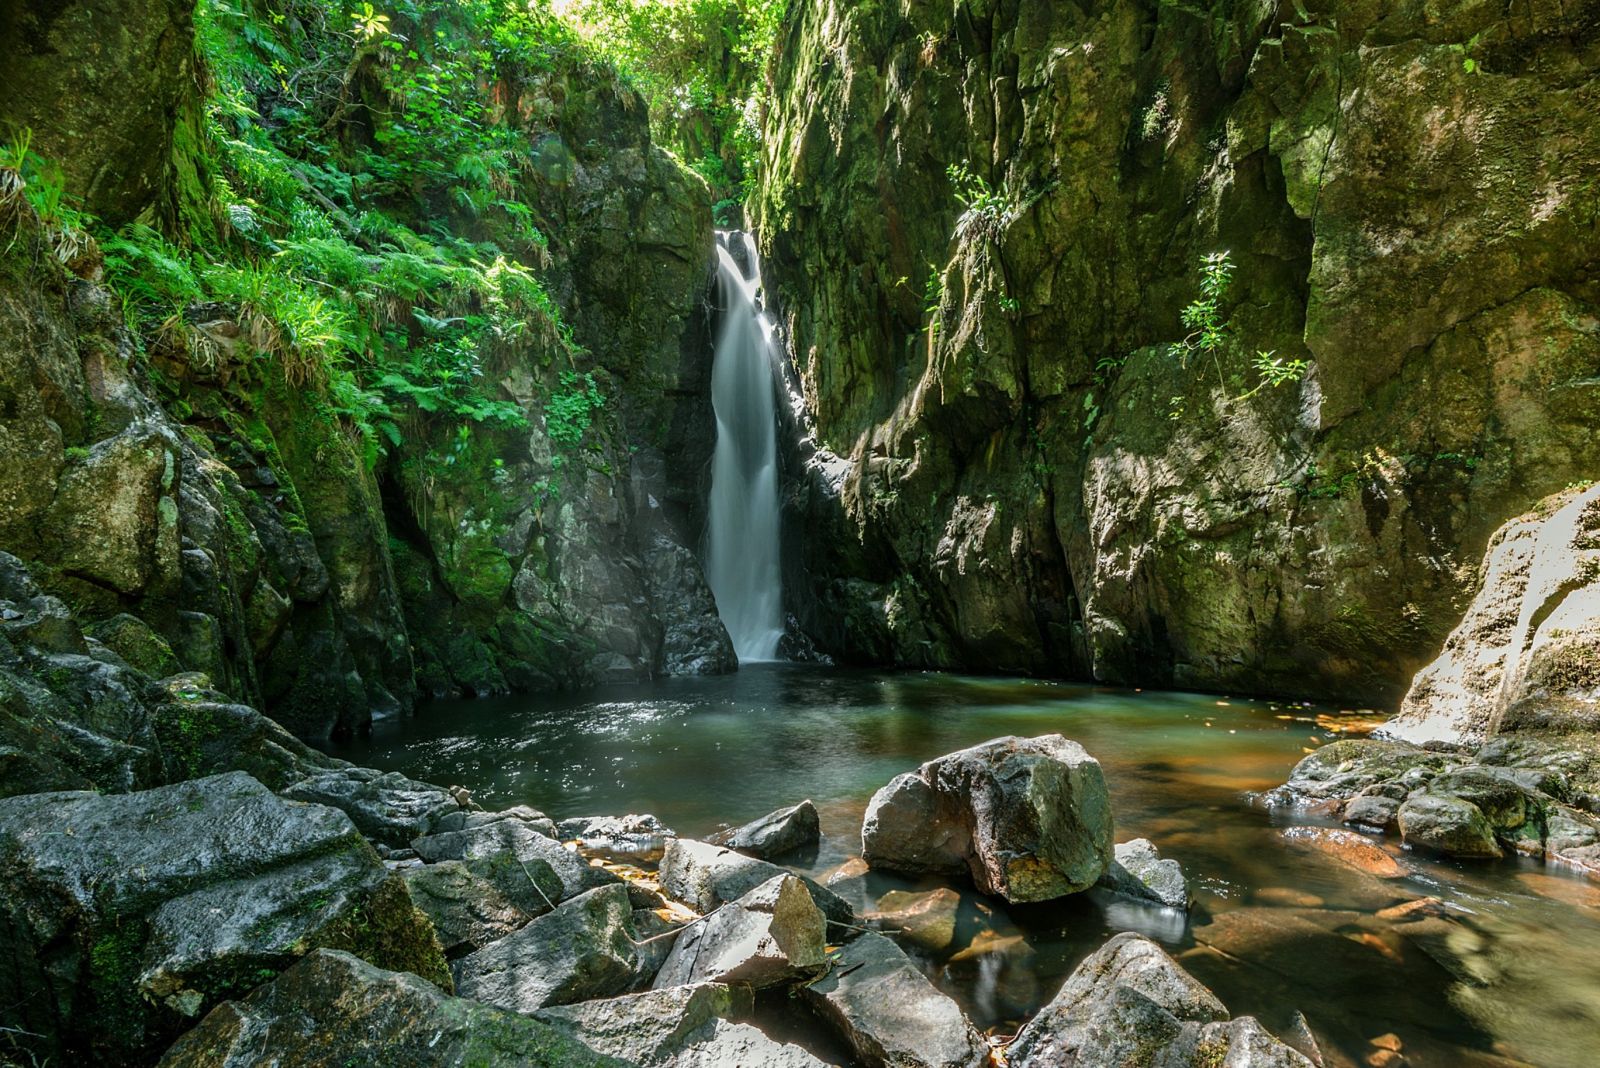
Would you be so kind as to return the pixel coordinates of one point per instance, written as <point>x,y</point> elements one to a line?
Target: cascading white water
<point>742,541</point>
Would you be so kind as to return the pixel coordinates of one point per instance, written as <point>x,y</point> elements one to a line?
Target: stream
<point>1502,970</point>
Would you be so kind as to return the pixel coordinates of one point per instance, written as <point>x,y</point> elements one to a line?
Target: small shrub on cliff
<point>1208,334</point>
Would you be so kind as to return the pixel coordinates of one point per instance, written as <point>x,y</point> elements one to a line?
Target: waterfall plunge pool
<point>1506,973</point>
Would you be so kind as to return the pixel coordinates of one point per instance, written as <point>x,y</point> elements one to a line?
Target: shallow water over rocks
<point>1498,969</point>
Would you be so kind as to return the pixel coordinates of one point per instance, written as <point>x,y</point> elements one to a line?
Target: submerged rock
<point>1347,848</point>
<point>1131,1003</point>
<point>771,935</point>
<point>1028,819</point>
<point>787,830</point>
<point>584,949</point>
<point>1138,871</point>
<point>924,918</point>
<point>334,1009</point>
<point>132,914</point>
<point>879,1002</point>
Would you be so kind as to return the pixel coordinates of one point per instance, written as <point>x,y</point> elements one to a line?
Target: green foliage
<point>343,264</point>
<point>986,207</point>
<point>1203,316</point>
<point>28,182</point>
<point>1209,334</point>
<point>701,65</point>
<point>570,411</point>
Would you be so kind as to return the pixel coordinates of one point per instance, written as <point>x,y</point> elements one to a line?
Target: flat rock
<point>788,830</point>
<point>1027,819</point>
<point>1139,872</point>
<point>387,807</point>
<point>705,877</point>
<point>925,918</point>
<point>679,1027</point>
<point>1348,848</point>
<point>522,837</point>
<point>633,839</point>
<point>771,935</point>
<point>880,1003</point>
<point>1448,825</point>
<point>334,1009</point>
<point>584,949</point>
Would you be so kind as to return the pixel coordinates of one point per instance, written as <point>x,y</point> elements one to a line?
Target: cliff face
<point>1018,467</point>
<point>207,506</point>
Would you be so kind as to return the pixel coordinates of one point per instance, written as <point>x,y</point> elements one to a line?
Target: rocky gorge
<point>360,359</point>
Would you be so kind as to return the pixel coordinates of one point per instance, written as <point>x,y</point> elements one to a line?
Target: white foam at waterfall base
<point>742,518</point>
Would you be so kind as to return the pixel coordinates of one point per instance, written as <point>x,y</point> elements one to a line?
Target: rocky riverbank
<point>1494,749</point>
<point>167,906</point>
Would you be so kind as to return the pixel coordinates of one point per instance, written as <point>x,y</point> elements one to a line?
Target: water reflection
<point>1501,971</point>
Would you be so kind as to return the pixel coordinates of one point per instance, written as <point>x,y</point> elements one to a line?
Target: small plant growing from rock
<point>1208,332</point>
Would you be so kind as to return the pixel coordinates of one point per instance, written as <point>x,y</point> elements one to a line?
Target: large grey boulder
<point>1028,819</point>
<point>788,830</point>
<point>387,806</point>
<point>1140,872</point>
<point>584,949</point>
<point>128,916</point>
<point>771,935</point>
<point>1129,1002</point>
<point>678,1027</point>
<point>468,909</point>
<point>705,876</point>
<point>879,1002</point>
<point>516,839</point>
<point>334,1009</point>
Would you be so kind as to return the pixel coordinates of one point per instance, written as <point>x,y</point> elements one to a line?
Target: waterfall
<point>742,540</point>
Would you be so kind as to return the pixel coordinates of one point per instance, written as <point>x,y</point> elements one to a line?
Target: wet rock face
<point>333,1008</point>
<point>1029,478</point>
<point>1027,819</point>
<point>1524,657</point>
<point>1129,1002</point>
<point>132,914</point>
<point>116,150</point>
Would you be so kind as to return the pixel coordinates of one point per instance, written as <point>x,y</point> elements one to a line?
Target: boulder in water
<point>334,1009</point>
<point>771,935</point>
<point>1138,871</point>
<point>787,830</point>
<point>1028,819</point>
<point>1131,1003</point>
<point>633,839</point>
<point>877,1000</point>
<point>1447,825</point>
